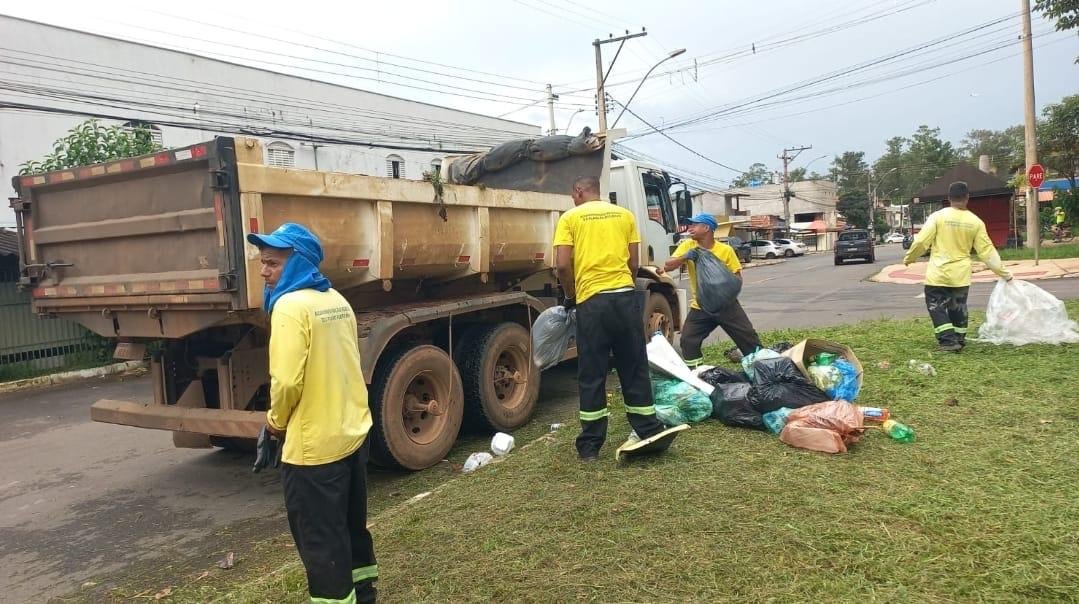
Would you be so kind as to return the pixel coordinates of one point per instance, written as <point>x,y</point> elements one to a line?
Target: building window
<point>280,155</point>
<point>436,166</point>
<point>155,132</point>
<point>395,166</point>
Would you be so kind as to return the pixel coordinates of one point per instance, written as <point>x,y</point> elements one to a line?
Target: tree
<point>1065,12</point>
<point>797,175</point>
<point>850,171</point>
<point>1058,138</point>
<point>91,143</point>
<point>1005,148</point>
<point>757,174</point>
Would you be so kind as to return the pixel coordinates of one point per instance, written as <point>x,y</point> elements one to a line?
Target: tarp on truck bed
<point>545,165</point>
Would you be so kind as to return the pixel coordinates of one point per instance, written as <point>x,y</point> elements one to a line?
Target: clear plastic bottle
<point>901,432</point>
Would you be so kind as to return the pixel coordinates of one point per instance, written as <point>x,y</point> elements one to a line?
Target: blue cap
<point>707,219</point>
<point>291,236</point>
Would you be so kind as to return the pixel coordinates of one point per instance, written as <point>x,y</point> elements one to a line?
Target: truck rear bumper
<point>199,420</point>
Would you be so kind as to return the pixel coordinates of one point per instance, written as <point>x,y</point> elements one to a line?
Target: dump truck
<point>445,281</point>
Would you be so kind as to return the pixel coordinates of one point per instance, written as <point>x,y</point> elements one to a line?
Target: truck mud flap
<point>216,422</point>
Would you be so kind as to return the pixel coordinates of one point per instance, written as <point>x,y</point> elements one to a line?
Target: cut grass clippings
<point>980,507</point>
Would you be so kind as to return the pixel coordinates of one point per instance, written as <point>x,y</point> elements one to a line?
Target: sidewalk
<point>1022,269</point>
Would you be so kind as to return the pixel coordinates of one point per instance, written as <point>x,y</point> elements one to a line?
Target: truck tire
<point>838,261</point>
<point>408,432</point>
<point>500,385</point>
<point>658,316</point>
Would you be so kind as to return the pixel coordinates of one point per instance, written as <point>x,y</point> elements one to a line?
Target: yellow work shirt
<point>724,252</point>
<point>600,234</point>
<point>950,234</point>
<point>317,392</point>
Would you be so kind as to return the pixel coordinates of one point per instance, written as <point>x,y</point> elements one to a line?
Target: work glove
<point>267,451</point>
<point>692,254</point>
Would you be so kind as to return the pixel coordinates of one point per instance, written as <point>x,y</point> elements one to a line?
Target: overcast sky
<point>741,59</point>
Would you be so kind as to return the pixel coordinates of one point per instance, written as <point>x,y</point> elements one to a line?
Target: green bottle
<point>901,432</point>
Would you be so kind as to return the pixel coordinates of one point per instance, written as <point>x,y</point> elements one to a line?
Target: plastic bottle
<point>901,432</point>
<point>921,367</point>
<point>875,414</point>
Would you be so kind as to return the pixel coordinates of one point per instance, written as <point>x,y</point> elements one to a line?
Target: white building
<point>812,210</point>
<point>57,77</point>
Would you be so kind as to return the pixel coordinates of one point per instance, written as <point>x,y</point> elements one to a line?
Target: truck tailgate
<point>134,247</point>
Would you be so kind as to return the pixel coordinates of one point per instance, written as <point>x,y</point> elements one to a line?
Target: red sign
<point>1036,175</point>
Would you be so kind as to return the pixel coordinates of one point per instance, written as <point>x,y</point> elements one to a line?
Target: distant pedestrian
<point>597,256</point>
<point>318,404</point>
<point>700,324</point>
<point>950,233</point>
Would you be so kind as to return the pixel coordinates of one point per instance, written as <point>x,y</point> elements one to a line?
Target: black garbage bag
<point>717,286</point>
<point>718,375</point>
<point>730,405</point>
<point>781,347</point>
<point>778,383</point>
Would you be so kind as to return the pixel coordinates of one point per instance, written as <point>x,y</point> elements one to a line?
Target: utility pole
<point>601,77</point>
<point>1031,144</point>
<point>551,98</point>
<point>787,159</point>
<point>872,205</point>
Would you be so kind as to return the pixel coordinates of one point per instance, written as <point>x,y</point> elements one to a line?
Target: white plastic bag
<point>1021,313</point>
<point>476,461</point>
<point>551,334</point>
<point>502,444</point>
<point>662,356</point>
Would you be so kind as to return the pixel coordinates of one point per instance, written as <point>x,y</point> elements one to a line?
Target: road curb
<point>757,263</point>
<point>68,377</point>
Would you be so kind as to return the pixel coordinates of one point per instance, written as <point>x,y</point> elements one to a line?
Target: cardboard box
<point>803,352</point>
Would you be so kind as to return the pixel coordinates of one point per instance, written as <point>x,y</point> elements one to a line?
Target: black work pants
<point>327,512</point>
<point>948,311</point>
<point>699,324</point>
<point>612,324</point>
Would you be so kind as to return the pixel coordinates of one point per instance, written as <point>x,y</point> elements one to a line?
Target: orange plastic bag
<point>828,427</point>
<point>814,439</point>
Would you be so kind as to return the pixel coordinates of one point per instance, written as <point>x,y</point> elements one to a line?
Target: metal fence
<point>29,344</point>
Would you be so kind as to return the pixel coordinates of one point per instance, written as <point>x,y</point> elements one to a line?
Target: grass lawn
<point>981,507</point>
<point>1048,252</point>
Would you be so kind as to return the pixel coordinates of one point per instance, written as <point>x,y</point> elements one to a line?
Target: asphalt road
<point>80,499</point>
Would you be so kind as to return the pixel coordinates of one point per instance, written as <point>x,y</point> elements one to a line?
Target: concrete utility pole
<point>601,77</point>
<point>787,159</point>
<point>1033,221</point>
<point>551,98</point>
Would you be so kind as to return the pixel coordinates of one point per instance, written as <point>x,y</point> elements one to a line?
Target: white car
<point>791,247</point>
<point>762,248</point>
<point>894,238</point>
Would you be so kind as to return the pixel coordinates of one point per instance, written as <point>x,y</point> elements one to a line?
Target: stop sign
<point>1036,175</point>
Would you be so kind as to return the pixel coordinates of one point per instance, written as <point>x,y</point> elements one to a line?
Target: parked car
<point>741,248</point>
<point>763,248</point>
<point>791,247</point>
<point>894,238</point>
<point>855,243</point>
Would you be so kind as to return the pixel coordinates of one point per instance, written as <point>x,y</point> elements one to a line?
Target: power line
<point>677,142</point>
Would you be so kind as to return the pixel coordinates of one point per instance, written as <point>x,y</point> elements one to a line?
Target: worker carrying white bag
<point>1021,313</point>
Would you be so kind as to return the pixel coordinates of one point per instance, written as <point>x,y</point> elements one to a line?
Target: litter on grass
<point>1022,313</point>
<point>501,444</point>
<point>678,403</point>
<point>476,461</point>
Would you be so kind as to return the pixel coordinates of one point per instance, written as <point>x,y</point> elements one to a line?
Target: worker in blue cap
<point>318,405</point>
<point>699,324</point>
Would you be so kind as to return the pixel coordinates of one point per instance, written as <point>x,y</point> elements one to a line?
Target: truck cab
<point>645,190</point>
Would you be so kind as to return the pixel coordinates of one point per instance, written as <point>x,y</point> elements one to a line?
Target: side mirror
<point>683,203</point>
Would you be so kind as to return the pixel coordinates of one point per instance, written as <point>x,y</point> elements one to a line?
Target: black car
<point>907,241</point>
<point>854,243</point>
<point>741,248</point>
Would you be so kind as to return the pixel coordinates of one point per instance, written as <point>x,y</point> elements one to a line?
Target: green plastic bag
<point>679,403</point>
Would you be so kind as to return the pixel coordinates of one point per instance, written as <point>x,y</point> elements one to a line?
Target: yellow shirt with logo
<point>724,252</point>
<point>600,234</point>
<point>950,234</point>
<point>317,391</point>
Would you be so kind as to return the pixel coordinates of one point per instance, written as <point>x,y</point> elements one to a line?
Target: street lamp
<point>806,167</point>
<point>570,121</point>
<point>873,198</point>
<point>672,55</point>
